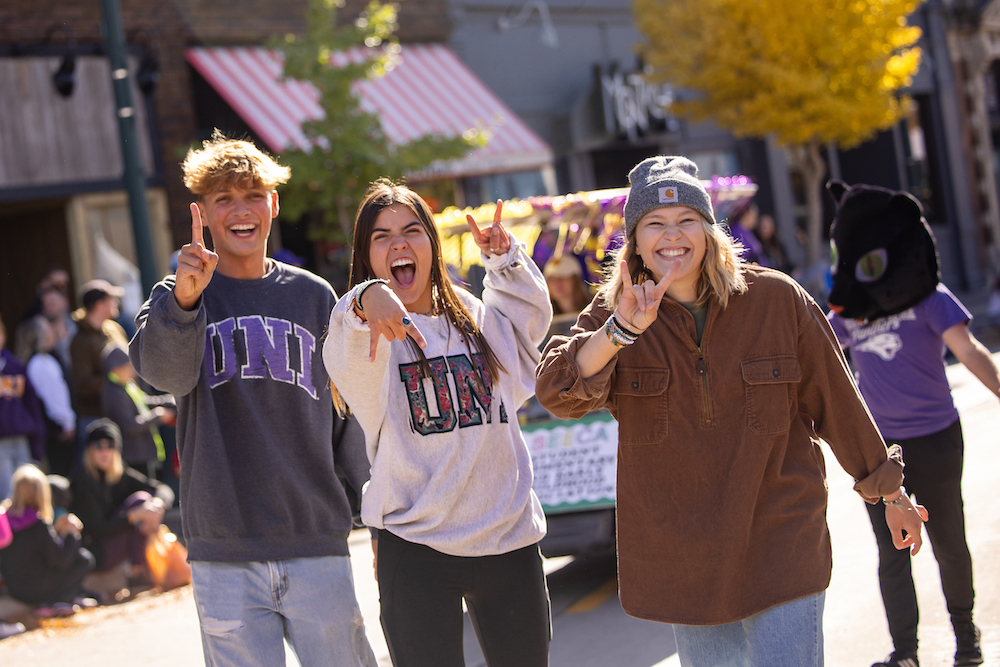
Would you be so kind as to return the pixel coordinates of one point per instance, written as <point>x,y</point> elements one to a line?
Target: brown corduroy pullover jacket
<point>721,499</point>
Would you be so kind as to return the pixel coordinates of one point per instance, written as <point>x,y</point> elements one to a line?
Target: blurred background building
<point>570,112</point>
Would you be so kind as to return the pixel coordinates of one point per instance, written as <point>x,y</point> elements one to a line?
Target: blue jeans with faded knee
<point>247,609</point>
<point>789,635</point>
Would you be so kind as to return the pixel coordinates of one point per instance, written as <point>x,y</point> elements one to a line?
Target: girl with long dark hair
<point>435,376</point>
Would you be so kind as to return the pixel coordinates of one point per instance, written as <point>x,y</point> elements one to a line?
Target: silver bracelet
<point>898,502</point>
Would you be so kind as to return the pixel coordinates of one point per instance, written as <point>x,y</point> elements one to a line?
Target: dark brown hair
<point>382,194</point>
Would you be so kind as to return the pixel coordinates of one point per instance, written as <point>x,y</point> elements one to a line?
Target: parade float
<point>574,461</point>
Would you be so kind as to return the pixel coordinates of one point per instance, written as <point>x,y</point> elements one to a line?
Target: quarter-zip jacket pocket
<point>769,383</point>
<point>643,413</point>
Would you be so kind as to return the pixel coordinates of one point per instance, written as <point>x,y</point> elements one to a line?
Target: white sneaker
<point>10,629</point>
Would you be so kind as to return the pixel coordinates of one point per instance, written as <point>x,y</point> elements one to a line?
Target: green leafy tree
<point>349,147</point>
<point>809,73</point>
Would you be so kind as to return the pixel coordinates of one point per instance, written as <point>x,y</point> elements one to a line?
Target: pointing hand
<point>195,265</point>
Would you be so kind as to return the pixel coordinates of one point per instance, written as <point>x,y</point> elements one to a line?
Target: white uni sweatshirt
<point>450,468</point>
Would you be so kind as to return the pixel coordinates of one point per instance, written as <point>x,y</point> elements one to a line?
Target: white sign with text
<point>574,462</point>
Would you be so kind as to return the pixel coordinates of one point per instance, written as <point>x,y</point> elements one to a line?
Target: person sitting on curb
<point>120,507</point>
<point>44,565</point>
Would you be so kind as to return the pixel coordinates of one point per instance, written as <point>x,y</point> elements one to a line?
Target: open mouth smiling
<point>403,271</point>
<point>243,230</point>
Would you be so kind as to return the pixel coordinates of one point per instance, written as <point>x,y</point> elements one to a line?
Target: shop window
<point>479,190</point>
<point>715,163</point>
<point>990,91</point>
<point>612,165</point>
<point>992,87</point>
<point>922,172</point>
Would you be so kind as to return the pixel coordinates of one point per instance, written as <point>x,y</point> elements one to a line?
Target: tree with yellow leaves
<point>808,73</point>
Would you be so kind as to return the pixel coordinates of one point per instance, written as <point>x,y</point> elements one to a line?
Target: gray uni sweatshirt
<point>256,430</point>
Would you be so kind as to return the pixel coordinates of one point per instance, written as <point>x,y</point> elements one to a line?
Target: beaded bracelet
<point>624,328</point>
<point>898,502</point>
<point>618,334</point>
<point>361,290</point>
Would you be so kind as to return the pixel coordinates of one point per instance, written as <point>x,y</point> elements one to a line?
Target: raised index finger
<point>197,235</point>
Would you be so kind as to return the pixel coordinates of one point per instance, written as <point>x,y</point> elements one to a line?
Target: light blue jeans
<point>14,453</point>
<point>247,609</point>
<point>789,635</point>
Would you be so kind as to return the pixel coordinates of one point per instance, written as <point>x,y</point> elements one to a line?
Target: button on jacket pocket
<point>642,405</point>
<point>769,385</point>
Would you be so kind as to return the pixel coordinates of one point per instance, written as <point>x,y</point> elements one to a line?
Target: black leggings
<point>934,474</point>
<point>421,593</point>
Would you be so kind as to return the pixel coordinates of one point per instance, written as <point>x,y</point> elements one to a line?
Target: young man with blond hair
<point>234,336</point>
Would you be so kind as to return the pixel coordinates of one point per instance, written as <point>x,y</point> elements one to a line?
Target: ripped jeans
<point>247,609</point>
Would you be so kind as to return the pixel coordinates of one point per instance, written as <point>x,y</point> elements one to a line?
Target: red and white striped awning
<point>430,91</point>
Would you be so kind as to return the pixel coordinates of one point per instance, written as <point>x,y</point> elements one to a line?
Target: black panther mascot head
<point>884,257</point>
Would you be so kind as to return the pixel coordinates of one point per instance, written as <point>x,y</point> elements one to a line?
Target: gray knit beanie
<point>664,180</point>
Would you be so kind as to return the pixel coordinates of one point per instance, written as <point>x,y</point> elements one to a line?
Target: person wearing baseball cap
<point>723,377</point>
<point>568,291</point>
<point>94,291</point>
<point>96,328</point>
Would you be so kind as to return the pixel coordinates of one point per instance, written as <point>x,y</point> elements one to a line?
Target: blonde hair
<point>113,474</point>
<point>224,163</point>
<point>31,338</point>
<point>30,490</point>
<point>721,273</point>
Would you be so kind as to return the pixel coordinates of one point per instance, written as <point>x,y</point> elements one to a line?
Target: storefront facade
<point>61,186</point>
<point>566,71</point>
<point>572,74</point>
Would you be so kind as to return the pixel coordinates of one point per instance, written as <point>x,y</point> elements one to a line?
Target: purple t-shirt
<point>899,361</point>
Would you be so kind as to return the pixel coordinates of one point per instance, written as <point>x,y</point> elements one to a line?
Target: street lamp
<point>64,78</point>
<point>134,181</point>
<point>148,74</point>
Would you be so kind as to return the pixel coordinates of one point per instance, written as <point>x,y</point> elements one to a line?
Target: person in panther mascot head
<point>890,309</point>
<point>884,256</point>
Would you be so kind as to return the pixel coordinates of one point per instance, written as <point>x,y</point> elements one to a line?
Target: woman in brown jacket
<point>723,378</point>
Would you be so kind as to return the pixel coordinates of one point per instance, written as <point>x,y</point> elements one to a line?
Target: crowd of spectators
<point>85,455</point>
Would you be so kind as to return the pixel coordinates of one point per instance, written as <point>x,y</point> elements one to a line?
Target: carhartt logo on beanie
<point>664,180</point>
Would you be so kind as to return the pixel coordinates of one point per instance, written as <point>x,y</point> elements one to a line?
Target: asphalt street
<point>589,627</point>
